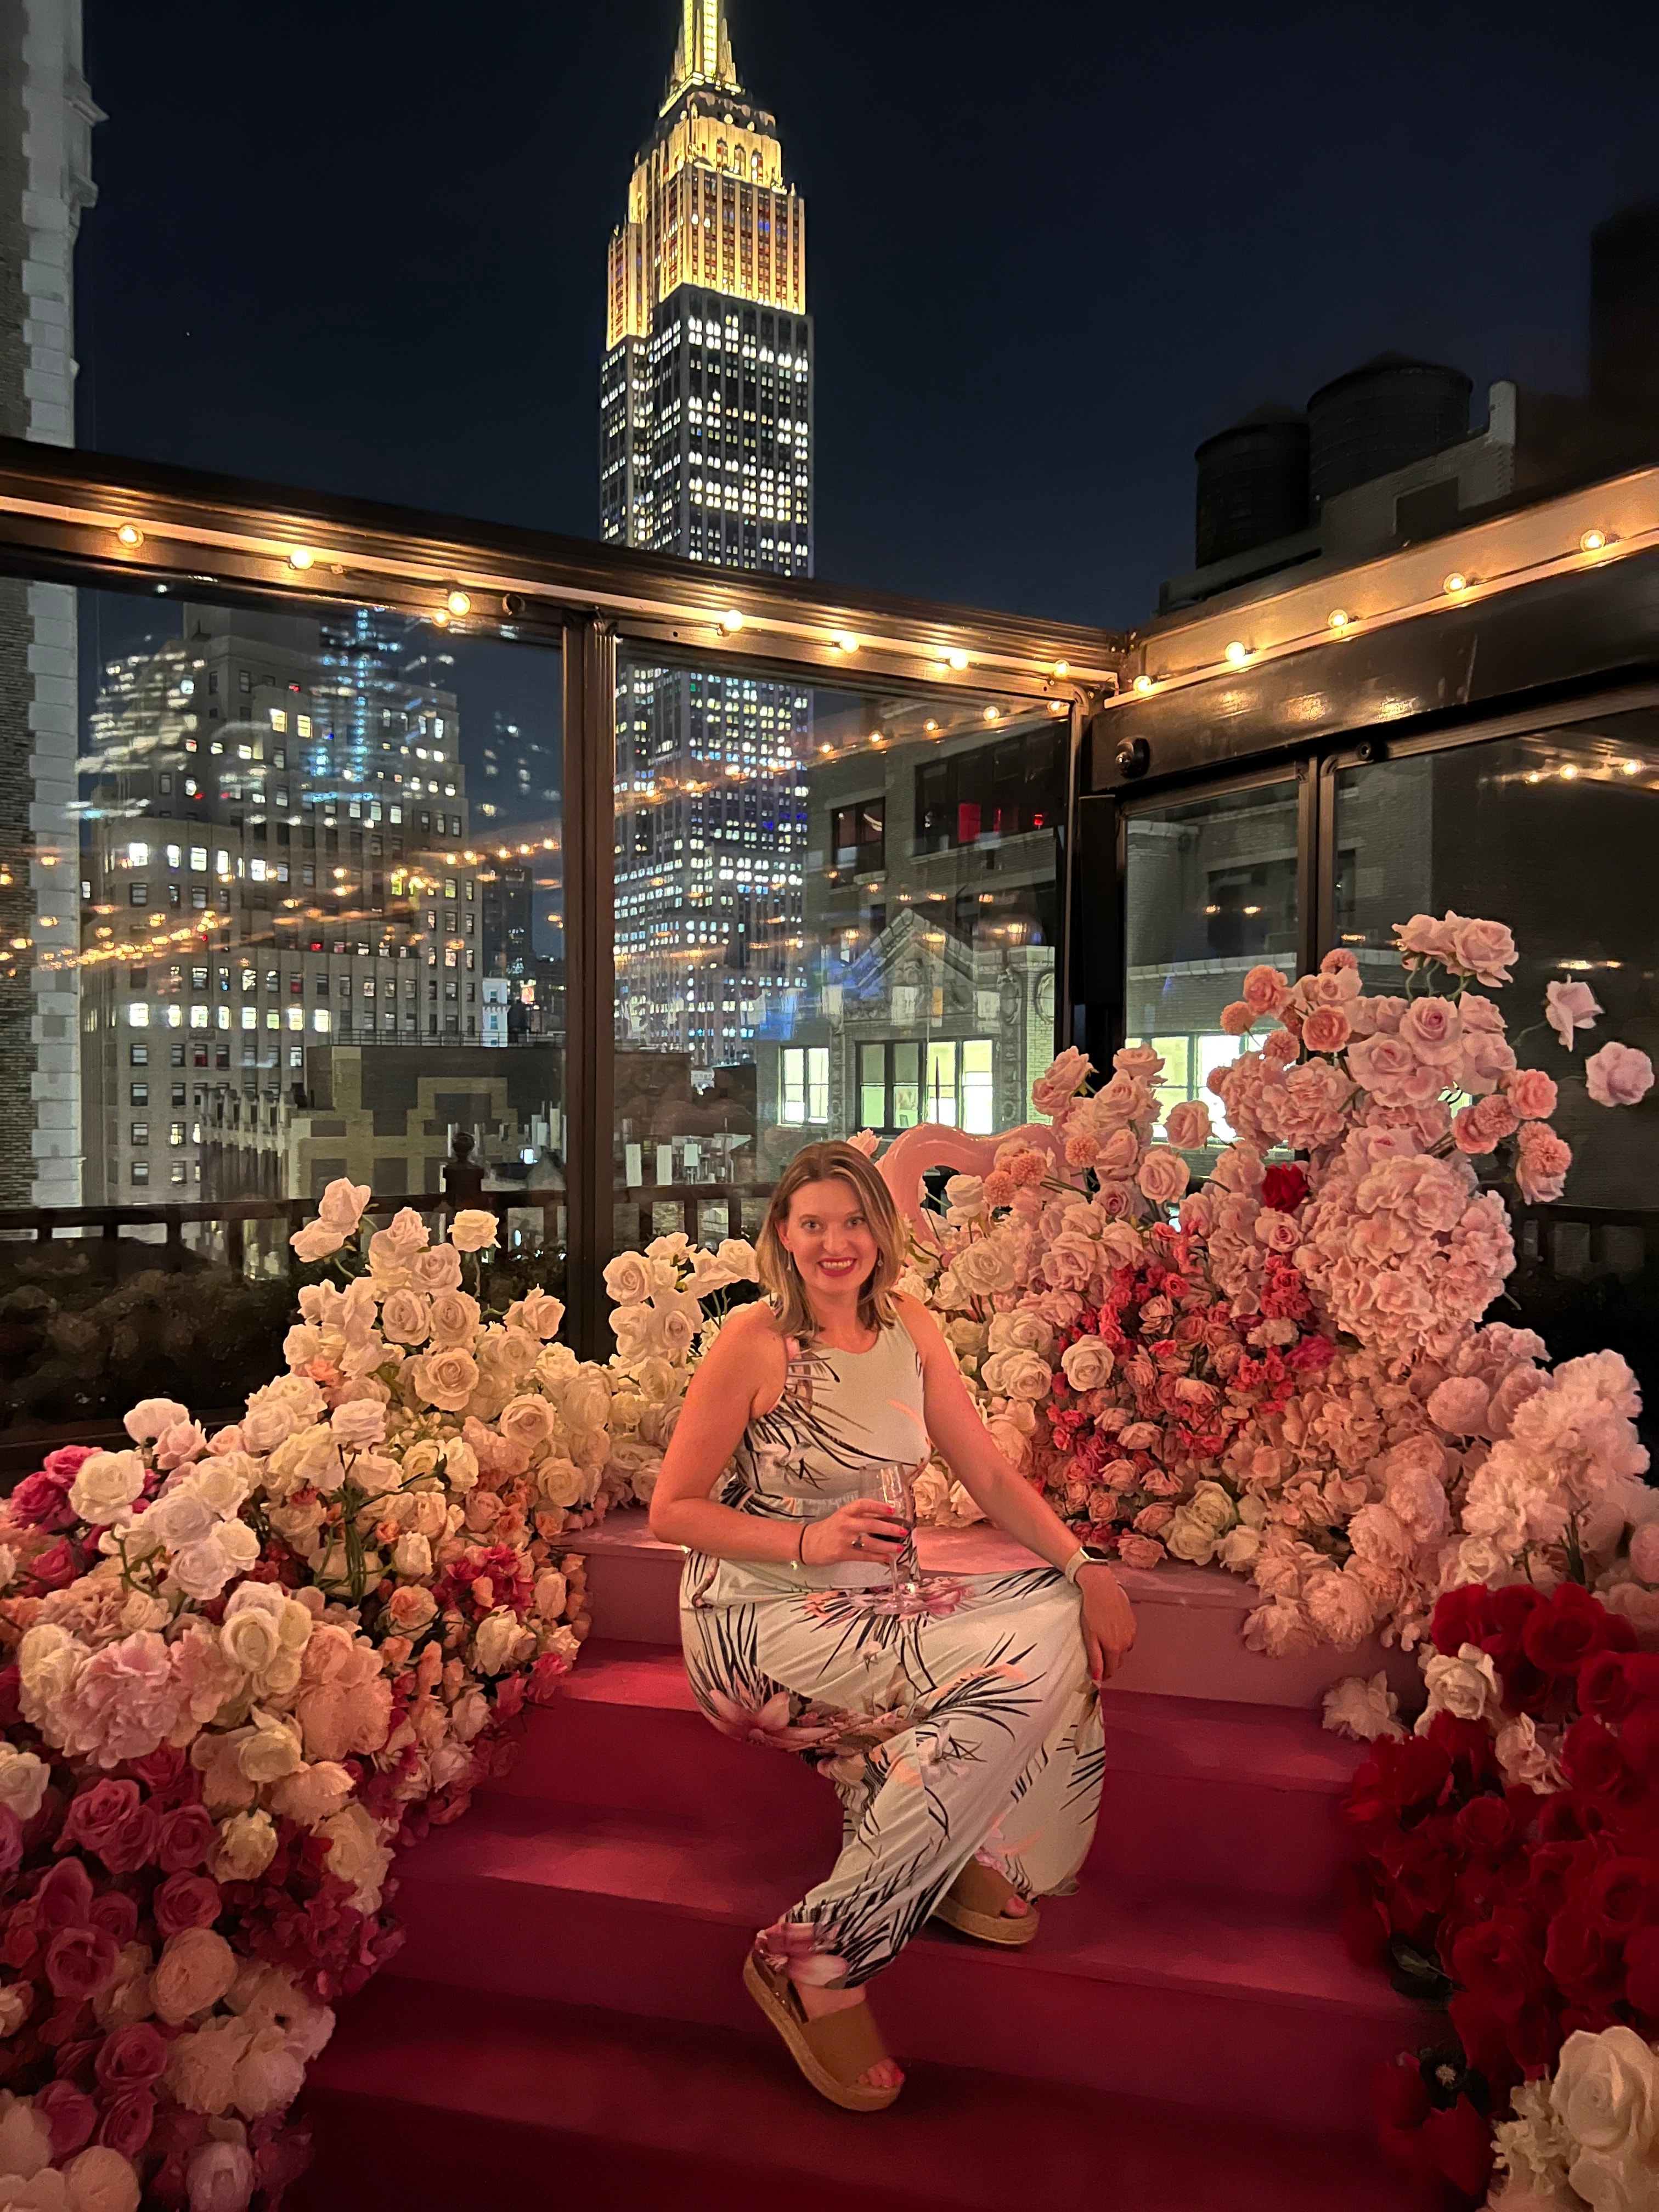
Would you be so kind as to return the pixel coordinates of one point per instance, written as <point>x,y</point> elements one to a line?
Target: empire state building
<point>706,408</point>
<point>705,402</point>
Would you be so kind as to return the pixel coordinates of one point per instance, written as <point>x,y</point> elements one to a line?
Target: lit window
<point>320,1021</point>
<point>296,1017</point>
<point>942,1083</point>
<point>198,859</point>
<point>279,717</point>
<point>256,870</point>
<point>198,1017</point>
<point>977,1087</point>
<point>303,726</point>
<point>222,862</point>
<point>138,856</point>
<point>250,1017</point>
<point>137,1014</point>
<point>224,1017</point>
<point>173,856</point>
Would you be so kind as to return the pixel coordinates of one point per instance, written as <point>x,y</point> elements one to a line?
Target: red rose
<point>81,1961</point>
<point>40,1503</point>
<point>1623,1896</point>
<point>63,1896</point>
<point>111,1820</point>
<point>1638,1740</point>
<point>1366,1924</point>
<point>127,2123</point>
<point>11,1841</point>
<point>1458,2144</point>
<point>63,1465</point>
<point>186,1901</point>
<point>1500,1961</point>
<point>117,1914</point>
<point>69,2113</point>
<point>1486,1826</point>
<point>1485,2039</point>
<point>1468,1746</point>
<point>1551,1869</point>
<point>168,1774</point>
<point>1419,1867</point>
<point>1567,1817</point>
<point>1586,1962</point>
<point>1604,1686</point>
<point>1642,1973</point>
<point>1462,1616</point>
<point>56,1567</point>
<point>1593,1762</point>
<point>1284,1189</point>
<point>185,1837</point>
<point>1399,2105</point>
<point>1560,1636</point>
<point>131,2058</point>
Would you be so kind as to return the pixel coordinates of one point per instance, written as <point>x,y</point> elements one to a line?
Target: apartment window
<point>890,1085</point>
<point>140,1171</point>
<point>139,1094</point>
<point>199,897</point>
<point>138,892</point>
<point>804,1085</point>
<point>859,836</point>
<point>175,1132</point>
<point>138,1056</point>
<point>180,1172</point>
<point>140,1132</point>
<point>178,1094</point>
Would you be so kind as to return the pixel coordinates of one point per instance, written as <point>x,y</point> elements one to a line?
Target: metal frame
<point>62,513</point>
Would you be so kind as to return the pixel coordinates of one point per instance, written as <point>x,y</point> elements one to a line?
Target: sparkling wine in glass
<point>898,1491</point>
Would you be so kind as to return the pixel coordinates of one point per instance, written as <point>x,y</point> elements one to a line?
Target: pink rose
<point>221,2178</point>
<point>1618,1075</point>
<point>185,1839</point>
<point>186,1901</point>
<point>1278,1231</point>
<point>196,1967</point>
<point>1117,1155</point>
<point>1327,1029</point>
<point>1460,1404</point>
<point>1433,1029</point>
<point>81,1961</point>
<point>1139,1551</point>
<point>1188,1126</point>
<point>70,2114</point>
<point>344,1704</point>
<point>1266,990</point>
<point>123,1702</point>
<point>131,2058</point>
<point>111,1821</point>
<point>1337,959</point>
<point>1423,937</point>
<point>1531,1092</point>
<point>127,2123</point>
<point>1569,1006</point>
<point>1484,950</point>
<point>1239,1018</point>
<point>1644,1551</point>
<point>1164,1176</point>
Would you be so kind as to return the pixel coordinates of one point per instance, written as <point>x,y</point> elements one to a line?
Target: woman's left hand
<point>1108,1621</point>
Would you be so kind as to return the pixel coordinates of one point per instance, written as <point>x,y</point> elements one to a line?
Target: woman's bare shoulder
<point>924,1330</point>
<point>751,1330</point>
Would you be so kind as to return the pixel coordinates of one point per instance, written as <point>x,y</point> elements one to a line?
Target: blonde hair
<point>825,1163</point>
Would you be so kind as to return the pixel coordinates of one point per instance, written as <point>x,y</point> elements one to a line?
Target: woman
<point>957,1715</point>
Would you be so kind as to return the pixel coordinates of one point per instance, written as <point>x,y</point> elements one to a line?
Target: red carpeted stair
<point>567,2013</point>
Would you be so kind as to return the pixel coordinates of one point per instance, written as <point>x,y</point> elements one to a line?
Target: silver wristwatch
<point>1086,1555</point>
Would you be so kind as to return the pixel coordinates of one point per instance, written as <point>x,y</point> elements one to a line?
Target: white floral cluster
<point>1588,2137</point>
<point>662,1330</point>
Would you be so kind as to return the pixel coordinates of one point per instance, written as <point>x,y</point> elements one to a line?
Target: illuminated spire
<point>703,55</point>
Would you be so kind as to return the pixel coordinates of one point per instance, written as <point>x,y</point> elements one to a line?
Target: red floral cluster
<point>1539,1905</point>
<point>1186,1382</point>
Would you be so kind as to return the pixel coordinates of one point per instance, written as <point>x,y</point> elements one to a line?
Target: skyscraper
<point>706,451</point>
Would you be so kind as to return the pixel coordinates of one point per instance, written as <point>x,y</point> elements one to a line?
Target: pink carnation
<point>1265,990</point>
<point>1327,1029</point>
<point>1531,1092</point>
<point>1541,1167</point>
<point>1483,1126</point>
<point>1239,1018</point>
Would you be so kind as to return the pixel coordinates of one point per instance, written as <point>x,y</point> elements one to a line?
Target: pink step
<point>430,2097</point>
<point>1243,2003</point>
<point>1190,1641</point>
<point>1227,1797</point>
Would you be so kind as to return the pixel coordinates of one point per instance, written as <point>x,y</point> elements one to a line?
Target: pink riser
<point>1189,1642</point>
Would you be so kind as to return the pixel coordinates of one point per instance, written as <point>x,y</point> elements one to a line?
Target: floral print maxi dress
<point>956,1716</point>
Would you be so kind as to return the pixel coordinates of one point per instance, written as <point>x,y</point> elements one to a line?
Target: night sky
<point>360,245</point>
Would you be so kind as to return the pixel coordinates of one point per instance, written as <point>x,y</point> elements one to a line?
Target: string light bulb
<point>1143,685</point>
<point>458,603</point>
<point>957,659</point>
<point>1338,619</point>
<point>1594,541</point>
<point>301,557</point>
<point>845,642</point>
<point>1238,652</point>
<point>732,621</point>
<point>1456,582</point>
<point>129,534</point>
<point>994,713</point>
<point>1062,668</point>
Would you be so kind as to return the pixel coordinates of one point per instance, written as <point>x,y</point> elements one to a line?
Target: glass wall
<point>283,897</point>
<point>1553,832</point>
<point>836,909</point>
<point>1211,892</point>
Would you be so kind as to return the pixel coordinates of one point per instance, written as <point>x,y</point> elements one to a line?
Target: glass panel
<point>267,858</point>
<point>824,898</point>
<point>1212,891</point>
<point>1553,833</point>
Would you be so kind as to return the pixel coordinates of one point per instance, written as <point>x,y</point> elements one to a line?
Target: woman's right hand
<point>864,1529</point>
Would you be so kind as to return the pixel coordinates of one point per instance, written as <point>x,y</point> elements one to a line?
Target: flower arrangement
<point>1509,1868</point>
<point>1284,1369</point>
<point>662,1329</point>
<point>244,1671</point>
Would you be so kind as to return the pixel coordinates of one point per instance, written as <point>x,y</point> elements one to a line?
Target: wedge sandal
<point>831,2052</point>
<point>973,1906</point>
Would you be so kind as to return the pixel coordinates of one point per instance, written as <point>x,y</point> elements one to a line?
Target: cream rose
<point>196,1969</point>
<point>493,1642</point>
<point>438,1269</point>
<point>412,1556</point>
<point>1605,2095</point>
<point>247,1844</point>
<point>406,1317</point>
<point>538,1312</point>
<point>455,1318</point>
<point>446,1379</point>
<point>1088,1363</point>
<point>23,1782</point>
<point>410,1609</point>
<point>105,1485</point>
<point>473,1229</point>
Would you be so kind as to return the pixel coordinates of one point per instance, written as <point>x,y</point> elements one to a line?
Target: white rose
<point>984,1267</point>
<point>1213,1507</point>
<point>493,1642</point>
<point>316,1241</point>
<point>1361,1709</point>
<point>1466,1686</point>
<point>202,1570</point>
<point>269,1748</point>
<point>559,1481</point>
<point>23,1781</point>
<point>412,1556</point>
<point>1605,2095</point>
<point>1190,1537</point>
<point>1088,1363</point>
<point>105,1485</point>
<point>359,1426</point>
<point>552,1592</point>
<point>966,1193</point>
<point>629,1280</point>
<point>473,1228</point>
<point>1238,1548</point>
<point>356,1853</point>
<point>48,1659</point>
<point>460,1465</point>
<point>16,2002</point>
<point>1016,1374</point>
<point>247,1844</point>
<point>25,2139</point>
<point>342,1204</point>
<point>641,1332</point>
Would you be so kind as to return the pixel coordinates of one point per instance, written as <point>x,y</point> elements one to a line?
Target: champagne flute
<point>897,1491</point>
